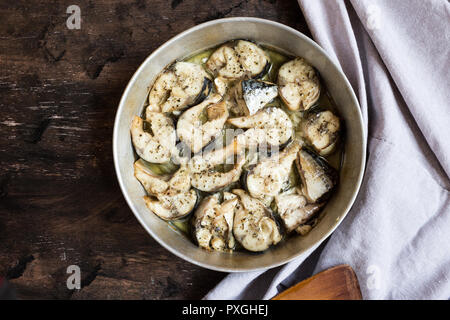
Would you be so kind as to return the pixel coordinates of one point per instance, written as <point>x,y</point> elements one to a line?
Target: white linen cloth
<point>396,237</point>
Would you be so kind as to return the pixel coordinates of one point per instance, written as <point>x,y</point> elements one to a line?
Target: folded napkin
<point>396,237</point>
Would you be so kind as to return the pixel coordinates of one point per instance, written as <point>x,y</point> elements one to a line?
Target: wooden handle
<point>337,283</point>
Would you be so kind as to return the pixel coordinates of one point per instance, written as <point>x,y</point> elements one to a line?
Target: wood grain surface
<point>337,283</point>
<point>60,203</point>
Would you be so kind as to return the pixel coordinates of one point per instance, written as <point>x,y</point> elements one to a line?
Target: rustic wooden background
<point>60,203</point>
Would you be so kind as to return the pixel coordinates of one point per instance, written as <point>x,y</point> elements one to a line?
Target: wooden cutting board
<point>337,283</point>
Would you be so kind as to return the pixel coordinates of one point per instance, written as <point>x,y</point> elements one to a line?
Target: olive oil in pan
<point>161,168</point>
<point>200,58</point>
<point>181,226</point>
<point>277,59</point>
<point>325,101</point>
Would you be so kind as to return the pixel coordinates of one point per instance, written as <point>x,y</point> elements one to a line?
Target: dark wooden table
<point>60,203</point>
